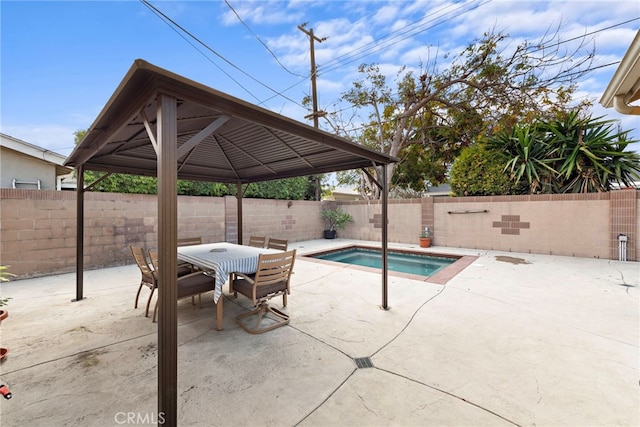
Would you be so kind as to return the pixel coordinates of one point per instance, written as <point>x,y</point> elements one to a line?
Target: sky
<point>61,61</point>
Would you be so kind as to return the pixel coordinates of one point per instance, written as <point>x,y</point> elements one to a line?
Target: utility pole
<point>314,95</point>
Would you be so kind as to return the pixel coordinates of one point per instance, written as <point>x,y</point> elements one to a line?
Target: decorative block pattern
<point>288,222</point>
<point>511,224</point>
<point>376,220</point>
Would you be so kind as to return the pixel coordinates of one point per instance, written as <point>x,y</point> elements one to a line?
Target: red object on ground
<point>4,391</point>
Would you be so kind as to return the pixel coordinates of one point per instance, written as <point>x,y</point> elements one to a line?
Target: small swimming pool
<point>400,261</point>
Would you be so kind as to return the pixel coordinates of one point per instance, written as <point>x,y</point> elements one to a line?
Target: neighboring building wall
<point>38,228</point>
<point>25,168</point>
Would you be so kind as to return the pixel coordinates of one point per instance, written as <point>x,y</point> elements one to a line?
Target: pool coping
<point>440,278</point>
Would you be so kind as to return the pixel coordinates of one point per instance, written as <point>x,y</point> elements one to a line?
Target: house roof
<point>220,138</point>
<point>39,153</point>
<point>624,87</point>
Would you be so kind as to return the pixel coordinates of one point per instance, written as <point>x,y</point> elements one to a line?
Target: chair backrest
<point>182,270</point>
<point>141,260</point>
<point>257,241</point>
<point>277,244</point>
<point>190,241</point>
<point>275,268</point>
<point>153,257</point>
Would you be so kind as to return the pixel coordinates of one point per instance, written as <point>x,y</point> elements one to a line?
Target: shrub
<point>479,171</point>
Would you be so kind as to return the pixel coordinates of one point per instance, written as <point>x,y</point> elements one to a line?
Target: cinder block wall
<point>293,220</point>
<point>38,228</point>
<point>584,225</point>
<point>405,220</point>
<point>572,225</point>
<point>38,231</point>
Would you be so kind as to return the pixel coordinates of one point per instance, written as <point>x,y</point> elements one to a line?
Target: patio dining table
<point>223,259</point>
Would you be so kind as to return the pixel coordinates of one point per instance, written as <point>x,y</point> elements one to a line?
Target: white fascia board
<point>626,79</point>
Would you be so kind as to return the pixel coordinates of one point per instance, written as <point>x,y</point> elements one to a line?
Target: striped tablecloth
<point>223,259</point>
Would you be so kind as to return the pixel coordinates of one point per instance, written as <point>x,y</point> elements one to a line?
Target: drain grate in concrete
<point>363,362</point>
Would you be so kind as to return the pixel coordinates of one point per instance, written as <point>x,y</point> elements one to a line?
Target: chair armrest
<point>187,276</point>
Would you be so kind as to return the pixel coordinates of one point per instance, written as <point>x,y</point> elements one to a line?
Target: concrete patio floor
<point>512,339</point>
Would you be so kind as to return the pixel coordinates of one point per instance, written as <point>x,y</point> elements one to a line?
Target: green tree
<point>481,92</point>
<point>282,189</point>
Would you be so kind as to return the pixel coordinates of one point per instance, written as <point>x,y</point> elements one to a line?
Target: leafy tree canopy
<point>487,88</point>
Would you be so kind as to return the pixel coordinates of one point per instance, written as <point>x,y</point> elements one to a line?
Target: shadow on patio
<point>551,340</point>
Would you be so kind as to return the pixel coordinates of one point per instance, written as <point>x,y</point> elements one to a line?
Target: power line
<point>162,17</point>
<point>146,3</point>
<point>588,70</point>
<point>585,35</point>
<point>417,29</point>
<point>261,42</point>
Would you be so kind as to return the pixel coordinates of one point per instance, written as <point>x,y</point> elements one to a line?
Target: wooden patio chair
<point>271,280</point>
<point>148,278</point>
<point>277,244</point>
<point>257,241</point>
<point>189,285</point>
<point>190,241</point>
<point>183,268</point>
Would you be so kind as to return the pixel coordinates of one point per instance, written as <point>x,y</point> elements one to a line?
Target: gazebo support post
<point>167,244</point>
<point>239,196</point>
<point>385,236</point>
<point>385,225</point>
<point>79,233</point>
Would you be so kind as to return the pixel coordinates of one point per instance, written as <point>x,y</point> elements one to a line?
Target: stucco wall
<point>25,168</point>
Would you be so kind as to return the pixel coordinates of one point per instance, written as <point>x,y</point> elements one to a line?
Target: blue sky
<point>61,61</point>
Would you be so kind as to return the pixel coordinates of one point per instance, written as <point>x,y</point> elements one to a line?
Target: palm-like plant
<point>569,155</point>
<point>591,154</point>
<point>529,157</point>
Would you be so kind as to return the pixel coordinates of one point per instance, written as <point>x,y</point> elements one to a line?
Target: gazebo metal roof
<point>219,138</point>
<point>158,123</point>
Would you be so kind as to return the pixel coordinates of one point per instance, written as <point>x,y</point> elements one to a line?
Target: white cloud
<point>56,138</point>
<point>387,14</point>
<point>262,13</point>
<point>617,39</point>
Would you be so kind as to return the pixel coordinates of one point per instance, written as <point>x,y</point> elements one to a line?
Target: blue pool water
<point>403,262</point>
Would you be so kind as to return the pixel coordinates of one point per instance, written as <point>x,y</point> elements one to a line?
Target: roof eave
<point>625,83</point>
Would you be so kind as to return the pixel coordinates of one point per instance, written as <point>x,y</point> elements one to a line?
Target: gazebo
<point>158,123</point>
